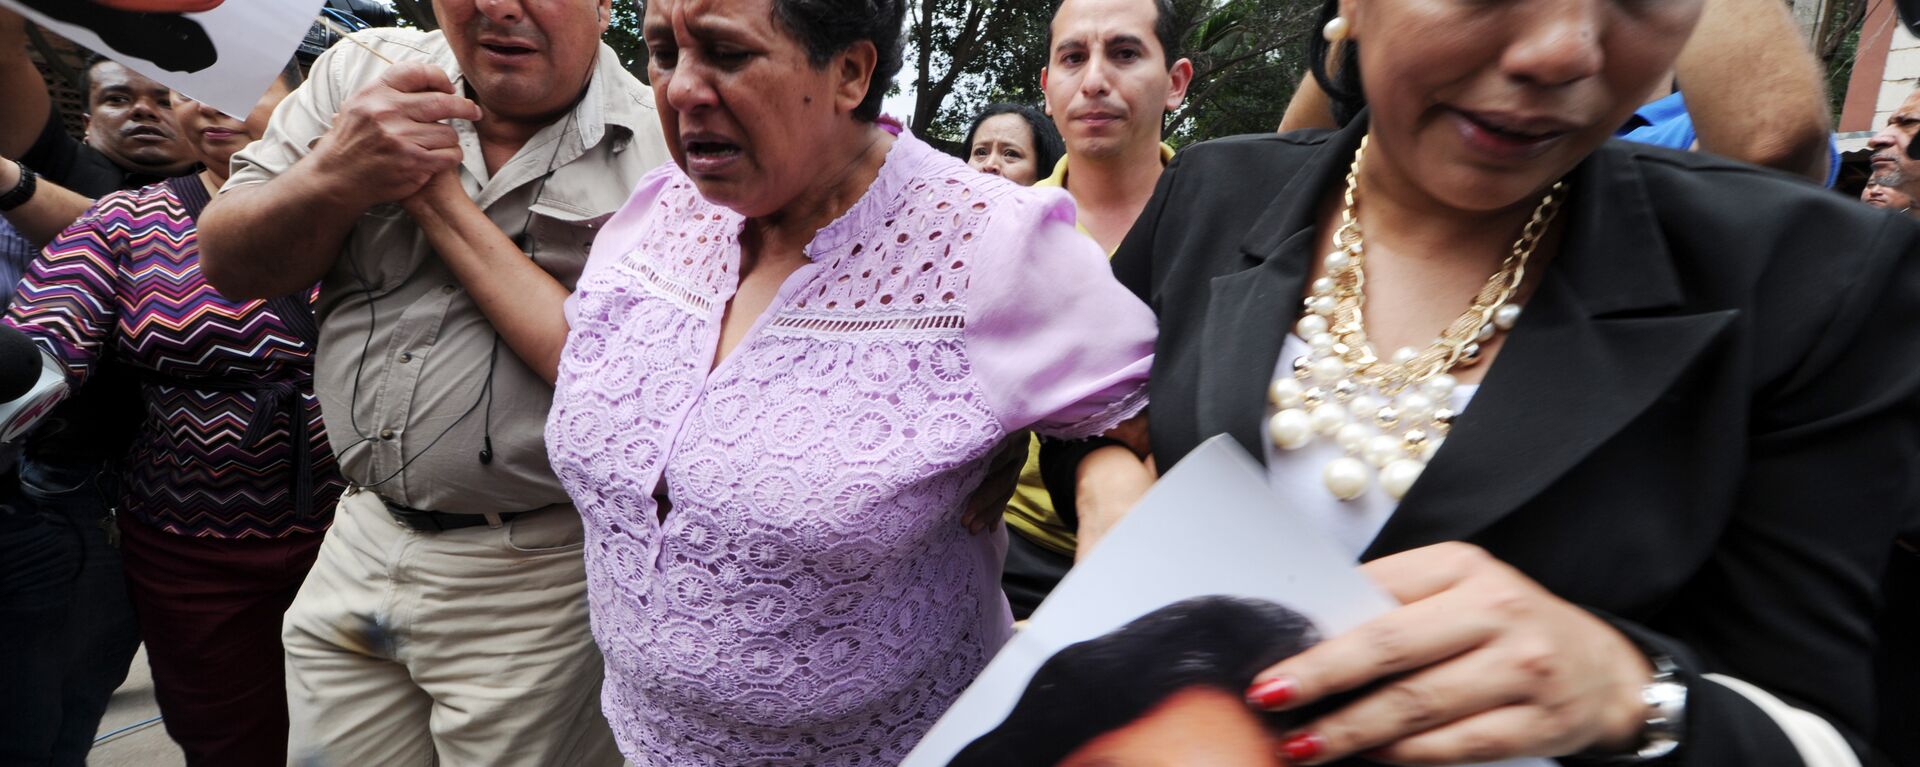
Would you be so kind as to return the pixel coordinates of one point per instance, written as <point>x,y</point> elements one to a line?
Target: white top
<point>1294,475</point>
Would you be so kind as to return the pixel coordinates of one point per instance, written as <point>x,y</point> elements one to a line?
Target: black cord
<point>485,396</point>
<point>533,254</point>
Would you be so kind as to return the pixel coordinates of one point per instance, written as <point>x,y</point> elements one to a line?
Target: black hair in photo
<point>1090,688</point>
<point>1047,144</point>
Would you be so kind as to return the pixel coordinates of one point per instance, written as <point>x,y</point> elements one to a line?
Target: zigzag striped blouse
<point>232,445</point>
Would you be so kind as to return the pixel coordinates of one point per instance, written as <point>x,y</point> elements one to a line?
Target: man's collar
<point>1059,176</point>
<point>607,99</point>
<point>1656,112</point>
<point>614,97</point>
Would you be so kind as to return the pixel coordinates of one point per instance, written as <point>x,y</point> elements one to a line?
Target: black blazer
<point>1703,428</point>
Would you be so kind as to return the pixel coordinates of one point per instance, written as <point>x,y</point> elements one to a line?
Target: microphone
<point>31,383</point>
<point>19,363</point>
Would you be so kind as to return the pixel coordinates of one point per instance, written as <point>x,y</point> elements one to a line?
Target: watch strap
<point>22,190</point>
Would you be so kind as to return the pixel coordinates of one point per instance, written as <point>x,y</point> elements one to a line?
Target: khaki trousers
<point>462,647</point>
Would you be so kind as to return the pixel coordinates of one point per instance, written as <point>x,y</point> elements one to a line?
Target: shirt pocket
<point>384,249</point>
<point>559,237</point>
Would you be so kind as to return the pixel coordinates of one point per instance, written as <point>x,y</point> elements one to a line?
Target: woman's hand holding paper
<point>1479,663</point>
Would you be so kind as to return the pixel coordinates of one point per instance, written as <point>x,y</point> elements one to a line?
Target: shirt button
<point>386,434</point>
<point>406,357</point>
<point>447,289</point>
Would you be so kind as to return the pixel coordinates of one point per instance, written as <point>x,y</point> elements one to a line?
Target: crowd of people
<point>471,401</point>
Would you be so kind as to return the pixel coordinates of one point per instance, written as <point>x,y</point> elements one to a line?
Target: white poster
<point>222,52</point>
<point>1148,644</point>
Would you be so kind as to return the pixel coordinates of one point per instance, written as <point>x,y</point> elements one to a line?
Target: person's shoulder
<point>146,208</point>
<point>91,173</point>
<point>665,188</point>
<point>1235,178</point>
<point>1745,204</point>
<point>135,200</point>
<point>944,178</point>
<point>1264,151</point>
<point>1742,236</point>
<point>939,193</point>
<point>629,105</point>
<point>360,58</point>
<point>623,84</point>
<point>396,43</point>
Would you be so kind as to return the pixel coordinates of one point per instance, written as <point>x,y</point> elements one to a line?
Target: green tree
<point>966,53</point>
<point>623,35</point>
<point>1247,54</point>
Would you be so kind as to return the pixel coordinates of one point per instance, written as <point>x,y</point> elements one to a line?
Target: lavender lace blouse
<point>812,597</point>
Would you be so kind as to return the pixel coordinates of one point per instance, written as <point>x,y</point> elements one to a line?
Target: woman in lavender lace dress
<point>786,367</point>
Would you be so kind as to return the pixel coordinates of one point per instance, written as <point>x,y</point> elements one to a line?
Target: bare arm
<point>52,209</point>
<point>1309,107</point>
<point>278,237</point>
<point>1110,481</point>
<point>517,297</point>
<point>384,145</point>
<point>1754,88</point>
<point>22,89</point>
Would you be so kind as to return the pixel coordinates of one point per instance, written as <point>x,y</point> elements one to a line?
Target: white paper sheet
<point>248,42</point>
<point>1210,526</point>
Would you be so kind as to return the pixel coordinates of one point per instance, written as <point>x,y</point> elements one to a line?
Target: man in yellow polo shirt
<point>1111,77</point>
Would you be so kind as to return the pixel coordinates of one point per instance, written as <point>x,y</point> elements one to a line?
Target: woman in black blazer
<point>1684,464</point>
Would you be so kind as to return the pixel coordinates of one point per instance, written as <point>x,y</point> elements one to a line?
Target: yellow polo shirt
<point>1030,511</point>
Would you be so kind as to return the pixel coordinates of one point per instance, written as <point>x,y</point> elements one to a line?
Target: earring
<point>1335,30</point>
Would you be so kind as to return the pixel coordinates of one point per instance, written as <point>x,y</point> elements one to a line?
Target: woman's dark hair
<point>1047,145</point>
<point>1342,84</point>
<point>827,27</point>
<point>1094,687</point>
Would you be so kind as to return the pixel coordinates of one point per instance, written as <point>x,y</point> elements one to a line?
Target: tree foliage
<point>1248,55</point>
<point>965,54</point>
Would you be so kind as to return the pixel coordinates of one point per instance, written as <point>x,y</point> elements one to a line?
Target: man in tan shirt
<point>446,619</point>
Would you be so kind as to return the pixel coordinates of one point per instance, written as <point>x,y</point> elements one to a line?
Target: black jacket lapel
<point>1248,317</point>
<point>1250,312</point>
<point>1598,343</point>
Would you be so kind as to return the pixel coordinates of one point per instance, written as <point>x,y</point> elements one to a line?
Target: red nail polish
<point>1273,693</point>
<point>1302,747</point>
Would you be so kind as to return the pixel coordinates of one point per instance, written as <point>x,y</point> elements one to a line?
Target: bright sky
<point>899,105</point>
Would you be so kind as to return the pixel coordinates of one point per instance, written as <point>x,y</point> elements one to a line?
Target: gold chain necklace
<point>1389,415</point>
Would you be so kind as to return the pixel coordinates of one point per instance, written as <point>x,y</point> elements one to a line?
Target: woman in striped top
<point>230,482</point>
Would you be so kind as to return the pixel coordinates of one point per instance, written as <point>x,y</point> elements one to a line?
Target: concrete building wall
<point>1885,72</point>
<point>1901,75</point>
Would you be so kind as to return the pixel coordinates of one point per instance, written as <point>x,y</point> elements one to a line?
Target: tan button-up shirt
<point>410,415</point>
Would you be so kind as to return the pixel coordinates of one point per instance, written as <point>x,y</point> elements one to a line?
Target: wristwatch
<point>22,190</point>
<point>1666,699</point>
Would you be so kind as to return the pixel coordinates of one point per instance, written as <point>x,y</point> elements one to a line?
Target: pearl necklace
<point>1387,415</point>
